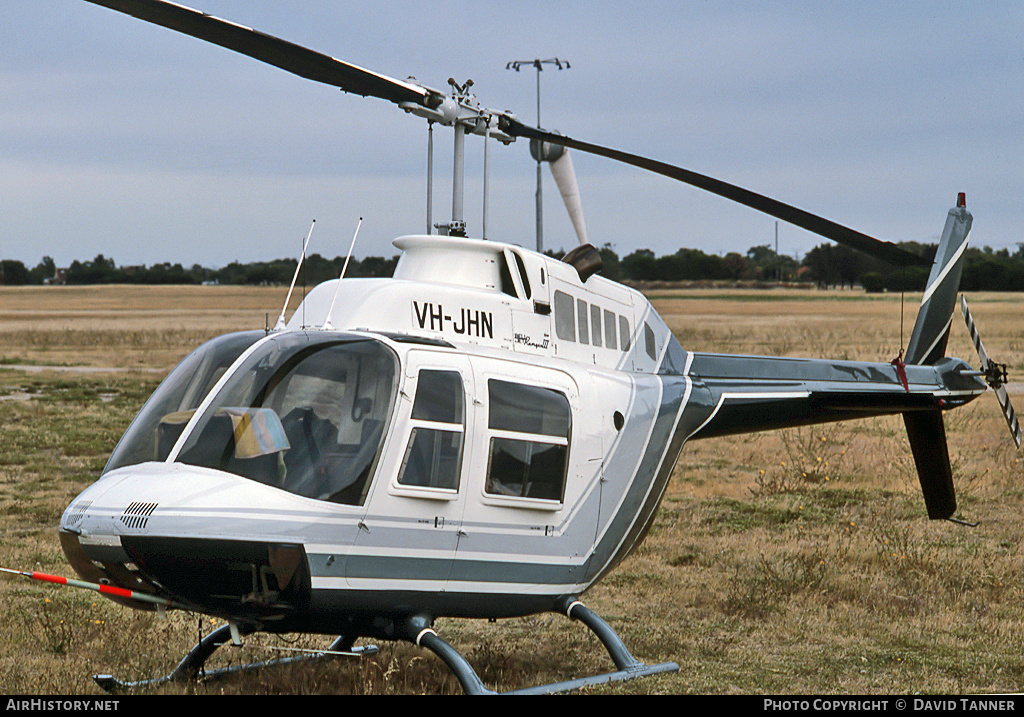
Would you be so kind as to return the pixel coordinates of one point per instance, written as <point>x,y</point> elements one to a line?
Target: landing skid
<point>628,666</point>
<point>417,631</point>
<point>191,667</point>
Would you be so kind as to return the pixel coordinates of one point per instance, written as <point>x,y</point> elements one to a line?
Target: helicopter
<point>487,434</point>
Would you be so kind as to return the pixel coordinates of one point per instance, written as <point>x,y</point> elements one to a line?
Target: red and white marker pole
<point>103,589</point>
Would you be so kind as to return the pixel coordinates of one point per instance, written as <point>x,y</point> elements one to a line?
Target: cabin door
<point>408,536</point>
<point>530,513</point>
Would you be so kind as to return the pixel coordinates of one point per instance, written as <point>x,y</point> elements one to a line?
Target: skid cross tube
<point>628,666</point>
<point>191,667</point>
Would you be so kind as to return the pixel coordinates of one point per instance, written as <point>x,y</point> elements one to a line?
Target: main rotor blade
<point>565,177</point>
<point>886,251</point>
<point>280,53</point>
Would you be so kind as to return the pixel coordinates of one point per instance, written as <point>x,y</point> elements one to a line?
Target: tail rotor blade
<point>1008,413</point>
<point>565,177</point>
<point>995,374</point>
<point>975,336</point>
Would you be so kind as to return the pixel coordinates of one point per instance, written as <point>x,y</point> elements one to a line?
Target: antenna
<point>430,175</point>
<point>327,320</point>
<point>487,142</point>
<point>537,64</point>
<point>280,320</point>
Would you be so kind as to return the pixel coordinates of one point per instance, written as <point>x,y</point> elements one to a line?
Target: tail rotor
<point>994,375</point>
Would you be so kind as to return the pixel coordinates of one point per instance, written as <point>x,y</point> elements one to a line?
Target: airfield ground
<point>798,561</point>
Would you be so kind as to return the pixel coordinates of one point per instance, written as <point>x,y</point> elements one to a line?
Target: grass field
<point>798,561</point>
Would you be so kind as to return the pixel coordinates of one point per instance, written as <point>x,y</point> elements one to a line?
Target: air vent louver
<point>76,513</point>
<point>136,515</point>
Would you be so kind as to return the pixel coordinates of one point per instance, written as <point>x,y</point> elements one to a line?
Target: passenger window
<point>652,349</point>
<point>565,317</point>
<point>433,457</point>
<point>595,324</point>
<point>581,313</point>
<point>609,329</point>
<point>529,441</point>
<point>624,333</point>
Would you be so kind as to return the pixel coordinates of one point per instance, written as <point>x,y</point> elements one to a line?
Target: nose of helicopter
<point>153,529</point>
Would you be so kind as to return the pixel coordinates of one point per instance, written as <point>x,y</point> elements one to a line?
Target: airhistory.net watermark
<point>57,704</point>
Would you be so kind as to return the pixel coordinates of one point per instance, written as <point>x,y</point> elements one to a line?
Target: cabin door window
<point>529,430</point>
<point>433,455</point>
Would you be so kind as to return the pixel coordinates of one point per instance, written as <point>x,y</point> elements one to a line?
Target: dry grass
<point>789,562</point>
<point>126,326</point>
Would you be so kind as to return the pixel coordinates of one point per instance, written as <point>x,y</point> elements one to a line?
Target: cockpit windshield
<point>158,425</point>
<point>304,412</point>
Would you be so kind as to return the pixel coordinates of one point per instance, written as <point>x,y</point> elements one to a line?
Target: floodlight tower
<point>538,149</point>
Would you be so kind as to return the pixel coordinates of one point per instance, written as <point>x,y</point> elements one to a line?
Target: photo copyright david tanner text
<point>892,704</point>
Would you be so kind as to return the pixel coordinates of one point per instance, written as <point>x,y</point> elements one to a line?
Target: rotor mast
<point>464,115</point>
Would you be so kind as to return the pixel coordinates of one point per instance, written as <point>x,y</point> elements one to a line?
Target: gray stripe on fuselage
<point>380,567</point>
<point>641,499</point>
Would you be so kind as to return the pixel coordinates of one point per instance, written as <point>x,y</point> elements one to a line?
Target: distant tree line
<point>826,265</point>
<point>103,270</point>
<point>983,270</point>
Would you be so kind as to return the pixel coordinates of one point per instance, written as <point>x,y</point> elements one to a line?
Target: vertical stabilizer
<point>927,436</point>
<point>927,345</point>
<point>928,342</point>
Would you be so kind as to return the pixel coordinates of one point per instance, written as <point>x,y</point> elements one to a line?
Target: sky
<point>135,142</point>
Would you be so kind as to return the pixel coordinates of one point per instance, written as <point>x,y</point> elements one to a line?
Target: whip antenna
<point>327,321</point>
<point>280,320</point>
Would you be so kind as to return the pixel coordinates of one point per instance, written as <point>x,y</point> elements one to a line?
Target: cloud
<point>149,146</point>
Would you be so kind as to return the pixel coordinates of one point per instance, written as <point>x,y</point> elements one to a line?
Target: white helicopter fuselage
<point>488,539</point>
<point>484,435</point>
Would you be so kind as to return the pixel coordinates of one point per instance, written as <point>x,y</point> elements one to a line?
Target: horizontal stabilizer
<point>873,402</point>
<point>927,436</point>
